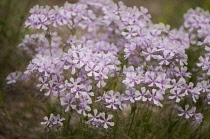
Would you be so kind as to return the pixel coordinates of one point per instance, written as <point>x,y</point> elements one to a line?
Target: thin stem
<point>49,37</point>
<point>68,123</point>
<point>175,127</point>
<point>131,122</point>
<point>50,46</point>
<point>116,125</point>
<point>7,113</point>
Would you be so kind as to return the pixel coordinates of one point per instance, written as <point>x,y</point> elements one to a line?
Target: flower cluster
<point>117,54</point>
<point>99,119</point>
<point>197,23</point>
<point>53,122</point>
<point>198,20</point>
<point>39,44</point>
<point>16,76</point>
<point>190,113</point>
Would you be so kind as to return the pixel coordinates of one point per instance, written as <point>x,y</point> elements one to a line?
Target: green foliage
<point>173,11</point>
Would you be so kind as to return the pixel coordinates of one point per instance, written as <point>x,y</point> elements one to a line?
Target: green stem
<point>175,127</point>
<point>50,46</point>
<point>68,121</point>
<point>116,125</point>
<point>131,122</point>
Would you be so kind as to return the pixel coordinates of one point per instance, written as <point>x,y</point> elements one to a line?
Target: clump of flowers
<point>99,119</point>
<point>120,58</point>
<point>53,121</point>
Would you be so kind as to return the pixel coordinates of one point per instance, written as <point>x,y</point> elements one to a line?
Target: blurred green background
<point>13,14</point>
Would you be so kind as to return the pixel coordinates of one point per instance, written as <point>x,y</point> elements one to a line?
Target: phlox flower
<point>82,108</point>
<point>101,82</point>
<point>43,84</point>
<point>151,78</point>
<point>105,121</point>
<point>178,84</point>
<point>68,100</point>
<point>87,91</point>
<point>149,53</point>
<point>176,94</point>
<point>72,40</point>
<point>186,113</point>
<point>163,82</point>
<point>78,90</point>
<point>95,116</point>
<point>182,72</point>
<point>74,83</point>
<point>129,49</point>
<point>155,96</point>
<point>131,79</point>
<point>195,92</point>
<point>204,86</point>
<point>58,79</point>
<point>187,88</point>
<point>131,94</point>
<point>13,77</point>
<point>165,58</point>
<point>142,95</point>
<point>204,62</point>
<point>196,116</point>
<point>48,121</point>
<point>131,32</point>
<point>92,69</point>
<point>58,120</point>
<point>112,99</point>
<point>51,89</point>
